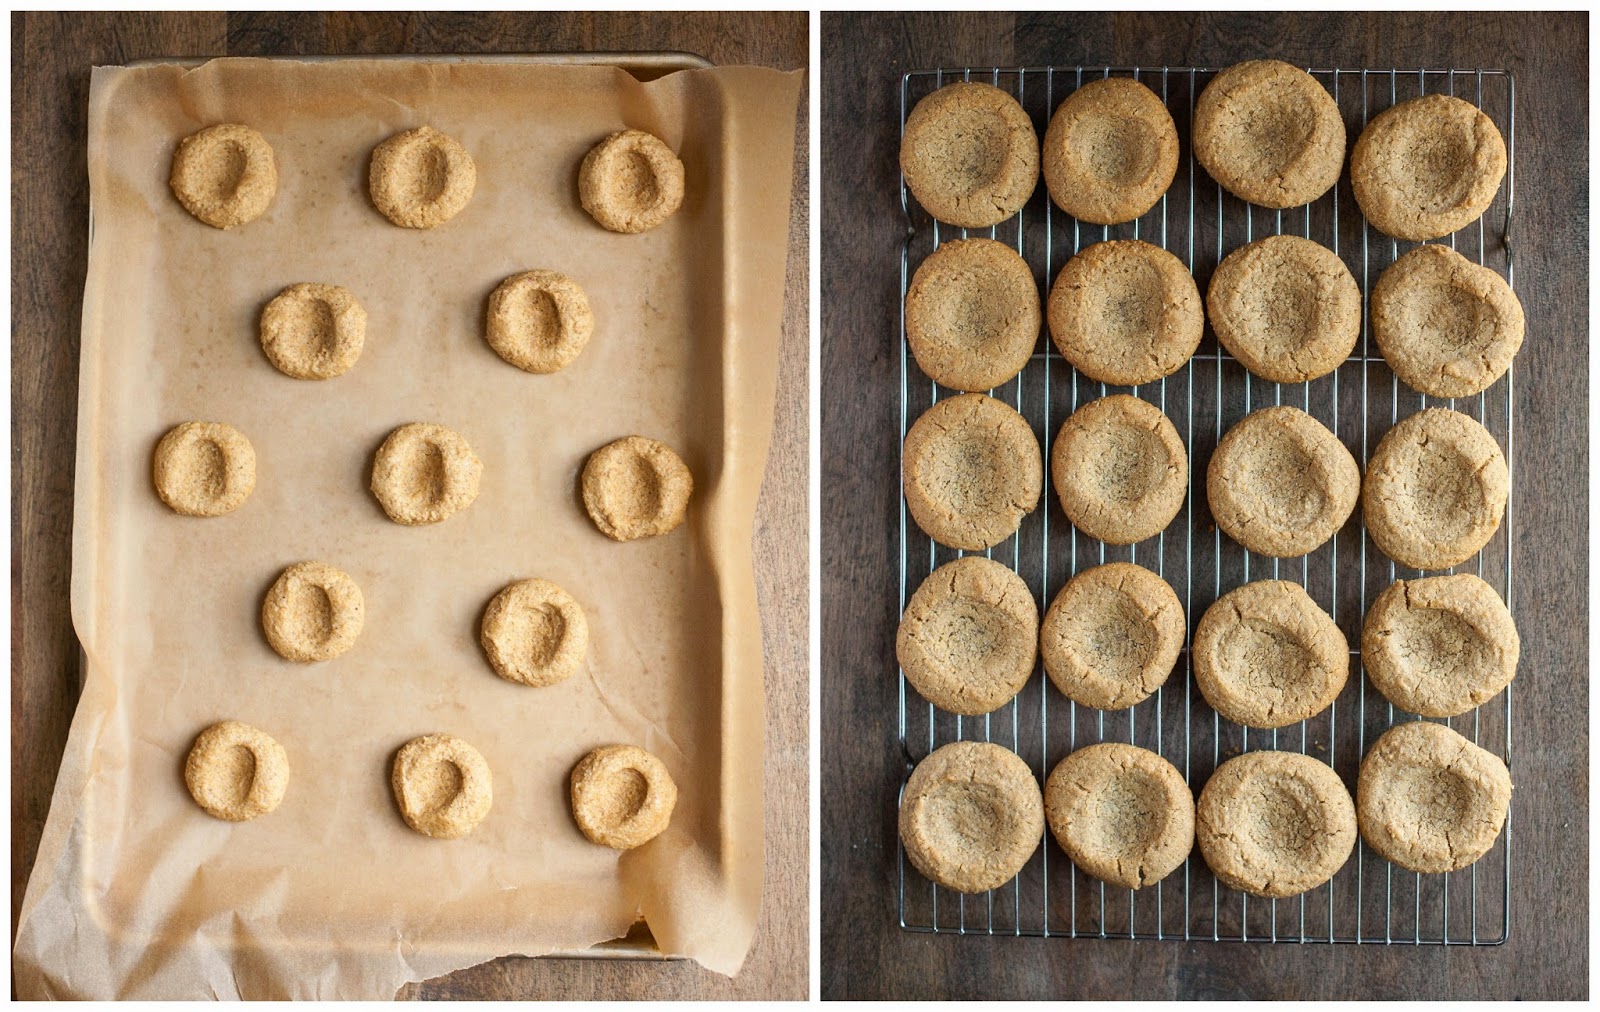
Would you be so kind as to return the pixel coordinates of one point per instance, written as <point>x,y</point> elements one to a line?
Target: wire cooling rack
<point>1369,901</point>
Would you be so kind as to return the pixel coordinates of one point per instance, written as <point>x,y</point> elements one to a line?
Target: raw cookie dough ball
<point>1126,312</point>
<point>1110,152</point>
<point>539,321</point>
<point>1265,655</point>
<point>972,314</point>
<point>312,331</point>
<point>1112,636</point>
<point>534,633</point>
<point>630,182</point>
<point>635,488</point>
<point>421,178</point>
<point>969,637</point>
<point>313,612</point>
<point>1426,167</point>
<point>1120,469</point>
<point>425,473</point>
<point>970,155</point>
<point>442,786</point>
<point>971,816</point>
<point>972,471</point>
<point>1287,308</point>
<point>1440,645</point>
<point>1445,325</point>
<point>622,796</point>
<point>224,175</point>
<point>204,469</point>
<point>1280,483</point>
<point>236,772</point>
<point>1269,133</point>
<point>1123,814</point>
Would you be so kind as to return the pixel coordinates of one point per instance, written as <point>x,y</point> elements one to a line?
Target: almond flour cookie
<point>1429,800</point>
<point>1426,167</point>
<point>1110,152</point>
<point>636,488</point>
<point>1280,483</point>
<point>1445,325</point>
<point>1126,312</point>
<point>1120,469</point>
<point>425,473</point>
<point>1269,133</point>
<point>1112,636</point>
<point>1275,824</point>
<point>630,182</point>
<point>421,178</point>
<point>970,155</point>
<point>236,772</point>
<point>1440,645</point>
<point>972,314</point>
<point>1436,489</point>
<point>1286,308</point>
<point>534,633</point>
<point>622,796</point>
<point>442,786</point>
<point>539,321</point>
<point>224,175</point>
<point>969,637</point>
<point>971,816</point>
<point>312,331</point>
<point>1123,814</point>
<point>313,612</point>
<point>1266,656</point>
<point>972,471</point>
<point>204,469</point>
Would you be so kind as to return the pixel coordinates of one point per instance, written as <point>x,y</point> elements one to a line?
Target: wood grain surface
<point>864,952</point>
<point>51,58</point>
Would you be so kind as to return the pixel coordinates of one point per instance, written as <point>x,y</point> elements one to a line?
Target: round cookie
<point>204,469</point>
<point>1430,800</point>
<point>1269,133</point>
<point>635,488</point>
<point>534,633</point>
<point>312,331</point>
<point>622,796</point>
<point>539,321</point>
<point>1126,312</point>
<point>313,612</point>
<point>1275,824</point>
<point>224,175</point>
<point>969,636</point>
<point>973,470</point>
<point>442,786</point>
<point>425,473</point>
<point>970,155</point>
<point>1265,655</point>
<point>971,816</point>
<point>1426,167</point>
<point>1110,151</point>
<point>630,182</point>
<point>1436,489</point>
<point>1287,308</point>
<point>1440,645</point>
<point>421,178</point>
<point>1123,814</point>
<point>1445,325</point>
<point>236,772</point>
<point>1120,469</point>
<point>1280,483</point>
<point>972,314</point>
<point>1112,636</point>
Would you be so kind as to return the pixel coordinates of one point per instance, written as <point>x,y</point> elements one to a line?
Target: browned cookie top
<point>1286,307</point>
<point>1280,483</point>
<point>972,314</point>
<point>1126,312</point>
<point>1270,133</point>
<point>1120,469</point>
<point>1426,167</point>
<point>1445,325</point>
<point>970,155</point>
<point>1110,151</point>
<point>971,815</point>
<point>1123,814</point>
<point>1112,635</point>
<point>1265,655</point>
<point>969,636</point>
<point>973,470</point>
<point>1440,645</point>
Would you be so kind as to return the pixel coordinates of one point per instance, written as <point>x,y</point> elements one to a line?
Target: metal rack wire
<point>1369,901</point>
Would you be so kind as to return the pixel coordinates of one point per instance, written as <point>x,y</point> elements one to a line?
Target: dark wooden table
<point>864,953</point>
<point>51,57</point>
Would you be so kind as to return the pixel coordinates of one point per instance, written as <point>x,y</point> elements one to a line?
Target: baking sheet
<point>135,892</point>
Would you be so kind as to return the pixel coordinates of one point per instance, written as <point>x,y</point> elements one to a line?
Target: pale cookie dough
<point>1126,312</point>
<point>312,331</point>
<point>970,155</point>
<point>539,321</point>
<point>1280,483</point>
<point>442,786</point>
<point>1287,308</point>
<point>969,636</point>
<point>1120,469</point>
<point>1265,655</point>
<point>534,633</point>
<point>425,473</point>
<point>224,175</point>
<point>622,796</point>
<point>1440,645</point>
<point>1270,133</point>
<point>1123,814</point>
<point>1430,800</point>
<point>971,816</point>
<point>630,182</point>
<point>313,612</point>
<point>1426,167</point>
<point>972,471</point>
<point>635,488</point>
<point>972,314</point>
<point>421,178</point>
<point>236,772</point>
<point>1445,325</point>
<point>204,469</point>
<point>1110,152</point>
<point>1112,636</point>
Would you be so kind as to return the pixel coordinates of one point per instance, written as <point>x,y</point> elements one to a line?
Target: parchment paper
<point>136,892</point>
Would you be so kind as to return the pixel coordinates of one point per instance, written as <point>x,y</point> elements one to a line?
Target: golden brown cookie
<point>1265,655</point>
<point>224,175</point>
<point>973,470</point>
<point>622,796</point>
<point>1112,636</point>
<point>636,487</point>
<point>1275,824</point>
<point>534,633</point>
<point>970,155</point>
<point>1120,469</point>
<point>630,182</point>
<point>204,469</point>
<point>1280,483</point>
<point>1445,325</point>
<point>1126,312</point>
<point>1436,489</point>
<point>972,314</point>
<point>313,612</point>
<point>1110,152</point>
<point>442,786</point>
<point>1123,814</point>
<point>1440,645</point>
<point>1269,133</point>
<point>969,636</point>
<point>236,772</point>
<point>1286,308</point>
<point>312,331</point>
<point>971,816</point>
<point>425,473</point>
<point>421,178</point>
<point>539,321</point>
<point>1426,167</point>
<point>1429,800</point>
